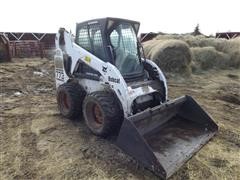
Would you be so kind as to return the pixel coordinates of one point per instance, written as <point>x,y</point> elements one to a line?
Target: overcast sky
<point>170,16</point>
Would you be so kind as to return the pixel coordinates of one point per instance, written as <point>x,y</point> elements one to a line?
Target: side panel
<point>161,75</point>
<point>91,85</point>
<point>60,74</point>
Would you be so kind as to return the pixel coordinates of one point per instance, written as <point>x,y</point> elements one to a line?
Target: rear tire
<point>102,113</point>
<point>69,98</point>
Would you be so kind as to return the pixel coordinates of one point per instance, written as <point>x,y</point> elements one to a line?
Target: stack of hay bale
<point>186,53</point>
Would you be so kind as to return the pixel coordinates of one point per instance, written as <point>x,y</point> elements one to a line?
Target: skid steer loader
<point>101,74</point>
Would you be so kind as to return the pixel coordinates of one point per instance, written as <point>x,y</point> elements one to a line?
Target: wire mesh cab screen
<point>89,37</point>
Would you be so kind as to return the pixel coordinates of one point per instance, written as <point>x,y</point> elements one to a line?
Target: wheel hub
<point>98,114</point>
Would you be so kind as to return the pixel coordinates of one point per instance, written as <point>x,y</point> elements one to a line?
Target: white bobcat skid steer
<point>101,74</point>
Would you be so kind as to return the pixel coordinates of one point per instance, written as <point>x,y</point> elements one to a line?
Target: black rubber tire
<point>70,97</point>
<point>110,109</point>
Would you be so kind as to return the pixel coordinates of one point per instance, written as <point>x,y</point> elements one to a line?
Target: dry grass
<point>38,143</point>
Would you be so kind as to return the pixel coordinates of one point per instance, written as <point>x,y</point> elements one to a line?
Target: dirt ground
<point>37,143</point>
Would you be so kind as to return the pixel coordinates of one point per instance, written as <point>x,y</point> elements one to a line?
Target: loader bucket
<point>163,138</point>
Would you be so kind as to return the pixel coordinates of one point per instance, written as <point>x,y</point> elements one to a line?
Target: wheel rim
<point>98,115</point>
<point>94,115</point>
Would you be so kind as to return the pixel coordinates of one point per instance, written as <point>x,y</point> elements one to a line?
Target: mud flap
<point>165,137</point>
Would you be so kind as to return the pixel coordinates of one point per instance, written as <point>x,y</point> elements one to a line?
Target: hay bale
<point>229,47</point>
<point>170,55</point>
<point>208,57</point>
<point>192,41</point>
<point>148,46</point>
<point>233,49</point>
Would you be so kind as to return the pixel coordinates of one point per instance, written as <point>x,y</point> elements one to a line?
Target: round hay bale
<point>148,46</point>
<point>209,57</point>
<point>233,49</point>
<point>226,51</point>
<point>192,41</point>
<point>196,68</point>
<point>171,56</point>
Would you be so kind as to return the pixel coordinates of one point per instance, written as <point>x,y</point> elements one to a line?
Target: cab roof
<point>104,21</point>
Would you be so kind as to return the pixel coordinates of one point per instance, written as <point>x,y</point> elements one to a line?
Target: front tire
<point>69,98</point>
<point>102,113</point>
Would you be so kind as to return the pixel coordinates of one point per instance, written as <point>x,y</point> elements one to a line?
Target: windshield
<point>124,42</point>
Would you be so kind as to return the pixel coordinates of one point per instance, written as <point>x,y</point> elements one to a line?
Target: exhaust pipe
<point>163,138</point>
